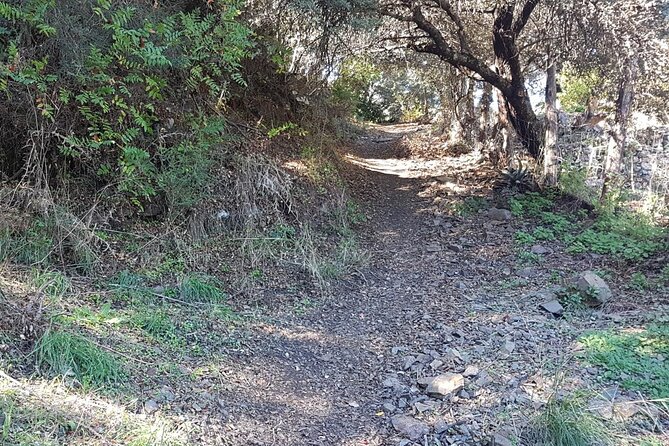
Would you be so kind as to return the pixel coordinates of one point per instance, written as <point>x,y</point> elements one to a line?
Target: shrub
<point>111,99</point>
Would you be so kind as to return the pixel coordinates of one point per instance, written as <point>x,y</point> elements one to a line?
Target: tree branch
<point>524,16</point>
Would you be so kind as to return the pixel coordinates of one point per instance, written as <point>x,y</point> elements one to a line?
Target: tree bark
<point>484,120</point>
<point>550,145</point>
<point>618,134</point>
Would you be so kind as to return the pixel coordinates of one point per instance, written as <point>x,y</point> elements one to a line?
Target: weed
<point>256,274</point>
<point>168,265</point>
<point>85,317</point>
<point>626,235</point>
<point>128,286</point>
<point>158,324</point>
<point>531,204</point>
<point>542,233</point>
<point>469,206</point>
<point>202,289</point>
<point>639,281</point>
<point>573,300</point>
<point>53,283</point>
<point>569,423</point>
<point>63,353</point>
<point>637,359</point>
<point>558,223</point>
<point>524,238</point>
<point>573,182</point>
<point>526,257</point>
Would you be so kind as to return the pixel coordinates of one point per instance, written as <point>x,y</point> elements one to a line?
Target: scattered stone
<point>392,383</point>
<point>454,247</point>
<point>509,347</point>
<point>464,394</point>
<point>554,307</point>
<point>501,440</point>
<point>528,272</point>
<point>396,350</point>
<point>423,407</point>
<point>446,384</point>
<point>408,362</point>
<point>593,287</point>
<point>434,247</point>
<point>410,427</point>
<point>354,404</point>
<point>470,371</point>
<point>540,250</point>
<point>151,406</point>
<point>484,379</point>
<point>389,407</point>
<point>434,365</point>
<point>441,426</point>
<point>499,214</point>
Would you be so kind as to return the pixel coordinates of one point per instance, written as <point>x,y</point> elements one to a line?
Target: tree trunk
<point>617,145</point>
<point>550,145</point>
<point>484,120</point>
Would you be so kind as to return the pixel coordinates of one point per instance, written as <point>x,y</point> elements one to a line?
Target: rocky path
<point>442,297</point>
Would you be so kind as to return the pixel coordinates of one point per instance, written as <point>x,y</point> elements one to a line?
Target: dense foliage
<point>121,92</point>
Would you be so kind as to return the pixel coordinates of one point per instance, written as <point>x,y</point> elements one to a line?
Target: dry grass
<point>50,414</point>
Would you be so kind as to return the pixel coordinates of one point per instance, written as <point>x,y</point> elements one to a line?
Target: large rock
<point>410,427</point>
<point>499,214</point>
<point>553,306</point>
<point>445,384</point>
<point>593,287</point>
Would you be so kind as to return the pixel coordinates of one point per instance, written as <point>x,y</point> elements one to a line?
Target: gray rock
<point>528,272</point>
<point>392,383</point>
<point>499,214</point>
<point>470,371</point>
<point>553,307</point>
<point>593,287</point>
<point>540,250</point>
<point>423,407</point>
<point>509,347</point>
<point>434,365</point>
<point>501,440</point>
<point>408,362</point>
<point>410,427</point>
<point>151,406</point>
<point>389,407</point>
<point>441,426</point>
<point>446,384</point>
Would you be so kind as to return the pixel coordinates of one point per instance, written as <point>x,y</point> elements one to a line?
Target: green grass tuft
<point>201,289</point>
<point>638,360</point>
<point>569,423</point>
<point>62,353</point>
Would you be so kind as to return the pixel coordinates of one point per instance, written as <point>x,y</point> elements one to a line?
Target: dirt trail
<point>432,301</point>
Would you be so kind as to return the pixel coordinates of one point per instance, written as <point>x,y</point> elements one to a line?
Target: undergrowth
<point>637,359</point>
<point>619,233</point>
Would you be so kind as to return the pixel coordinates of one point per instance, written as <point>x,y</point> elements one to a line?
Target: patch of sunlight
<point>39,412</point>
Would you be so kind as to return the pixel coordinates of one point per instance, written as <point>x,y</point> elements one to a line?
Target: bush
<point>107,107</point>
